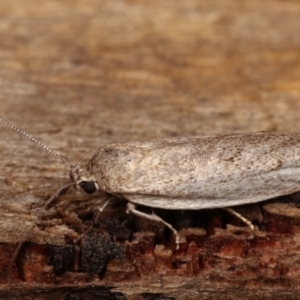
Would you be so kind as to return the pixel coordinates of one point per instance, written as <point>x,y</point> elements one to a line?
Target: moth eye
<point>88,186</point>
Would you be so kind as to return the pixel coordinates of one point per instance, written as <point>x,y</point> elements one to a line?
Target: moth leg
<point>100,210</point>
<point>106,202</point>
<point>239,216</point>
<point>131,208</point>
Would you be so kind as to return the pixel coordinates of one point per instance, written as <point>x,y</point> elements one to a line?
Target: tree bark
<point>81,75</point>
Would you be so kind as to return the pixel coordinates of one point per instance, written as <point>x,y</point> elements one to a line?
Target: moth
<point>193,173</point>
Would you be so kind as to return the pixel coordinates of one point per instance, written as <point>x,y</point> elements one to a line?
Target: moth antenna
<point>64,160</point>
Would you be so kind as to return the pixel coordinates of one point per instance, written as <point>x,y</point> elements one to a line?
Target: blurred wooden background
<point>81,74</point>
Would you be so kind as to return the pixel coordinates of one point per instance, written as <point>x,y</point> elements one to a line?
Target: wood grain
<point>78,75</point>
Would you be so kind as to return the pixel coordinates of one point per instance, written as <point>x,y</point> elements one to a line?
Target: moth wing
<point>189,204</point>
<point>201,172</point>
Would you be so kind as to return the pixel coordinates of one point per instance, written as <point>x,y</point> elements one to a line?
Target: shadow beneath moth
<point>190,173</point>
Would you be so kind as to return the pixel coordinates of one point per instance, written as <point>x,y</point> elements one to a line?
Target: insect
<point>201,172</point>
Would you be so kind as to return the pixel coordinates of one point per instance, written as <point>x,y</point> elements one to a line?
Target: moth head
<point>84,179</point>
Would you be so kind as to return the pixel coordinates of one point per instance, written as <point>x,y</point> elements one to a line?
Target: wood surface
<point>81,74</point>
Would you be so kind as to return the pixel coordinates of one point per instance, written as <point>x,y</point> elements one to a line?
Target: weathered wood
<point>80,75</point>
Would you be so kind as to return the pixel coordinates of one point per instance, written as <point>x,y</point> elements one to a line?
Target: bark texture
<point>78,75</point>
